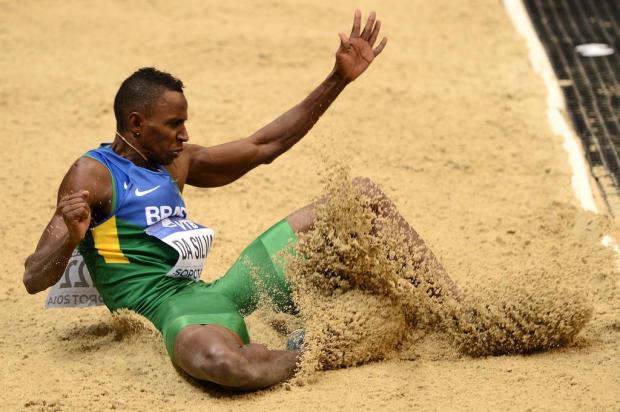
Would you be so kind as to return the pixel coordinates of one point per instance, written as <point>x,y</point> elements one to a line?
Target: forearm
<point>47,264</point>
<point>282,133</point>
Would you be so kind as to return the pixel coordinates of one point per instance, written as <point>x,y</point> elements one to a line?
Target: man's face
<point>163,130</point>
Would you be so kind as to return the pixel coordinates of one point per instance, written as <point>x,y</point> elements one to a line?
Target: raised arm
<point>220,165</point>
<point>85,189</point>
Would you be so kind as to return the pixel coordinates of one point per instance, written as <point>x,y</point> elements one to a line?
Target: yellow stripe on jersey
<point>106,242</point>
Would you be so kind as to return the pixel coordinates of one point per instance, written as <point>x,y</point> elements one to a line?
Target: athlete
<point>121,206</point>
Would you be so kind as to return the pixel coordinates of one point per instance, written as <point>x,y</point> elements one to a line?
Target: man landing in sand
<point>121,206</point>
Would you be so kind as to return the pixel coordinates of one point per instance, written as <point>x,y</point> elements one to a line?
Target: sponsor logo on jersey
<point>140,193</point>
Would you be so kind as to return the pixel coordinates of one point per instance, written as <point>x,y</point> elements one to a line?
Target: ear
<point>135,123</point>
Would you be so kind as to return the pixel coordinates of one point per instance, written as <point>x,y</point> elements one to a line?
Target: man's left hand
<point>356,51</point>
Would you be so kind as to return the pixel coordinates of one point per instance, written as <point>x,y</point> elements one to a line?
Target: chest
<point>147,200</point>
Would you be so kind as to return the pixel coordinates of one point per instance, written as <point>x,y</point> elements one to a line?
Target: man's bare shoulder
<point>179,169</point>
<point>88,165</point>
<point>91,175</point>
<point>188,154</point>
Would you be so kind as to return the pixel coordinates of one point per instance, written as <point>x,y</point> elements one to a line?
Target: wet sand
<point>449,121</point>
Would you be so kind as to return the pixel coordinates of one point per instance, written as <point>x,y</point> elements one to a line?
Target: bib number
<point>75,288</point>
<point>191,241</point>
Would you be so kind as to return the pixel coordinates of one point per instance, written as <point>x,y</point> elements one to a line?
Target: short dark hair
<point>140,90</point>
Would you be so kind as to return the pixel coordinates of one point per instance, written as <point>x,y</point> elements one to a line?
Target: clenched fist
<point>75,211</point>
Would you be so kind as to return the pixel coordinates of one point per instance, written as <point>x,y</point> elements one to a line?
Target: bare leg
<point>216,354</point>
<point>302,220</point>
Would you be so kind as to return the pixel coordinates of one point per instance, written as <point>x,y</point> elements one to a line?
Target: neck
<point>123,147</point>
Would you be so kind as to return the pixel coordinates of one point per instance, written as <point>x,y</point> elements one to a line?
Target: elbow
<point>266,151</point>
<point>29,284</point>
<point>266,155</point>
<point>271,152</point>
<point>29,279</point>
<point>30,288</point>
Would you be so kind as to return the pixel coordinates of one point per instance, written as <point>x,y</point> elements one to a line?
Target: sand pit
<point>456,135</point>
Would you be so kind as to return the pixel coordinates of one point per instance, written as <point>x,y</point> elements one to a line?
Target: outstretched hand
<point>356,51</point>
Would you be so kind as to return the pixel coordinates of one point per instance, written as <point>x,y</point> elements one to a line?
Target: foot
<point>295,340</point>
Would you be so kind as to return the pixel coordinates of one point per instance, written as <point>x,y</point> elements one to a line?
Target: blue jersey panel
<point>143,197</point>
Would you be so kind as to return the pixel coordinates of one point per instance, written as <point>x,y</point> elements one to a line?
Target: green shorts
<point>256,275</point>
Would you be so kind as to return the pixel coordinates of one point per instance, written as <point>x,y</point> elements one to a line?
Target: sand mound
<point>521,317</point>
<point>361,288</point>
<point>352,329</point>
<point>358,288</point>
<point>120,326</point>
<point>342,283</point>
<point>126,323</point>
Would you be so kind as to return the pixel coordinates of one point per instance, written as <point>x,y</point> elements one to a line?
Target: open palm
<point>356,51</point>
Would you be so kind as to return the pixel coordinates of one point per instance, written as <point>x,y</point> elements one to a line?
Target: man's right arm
<point>85,190</point>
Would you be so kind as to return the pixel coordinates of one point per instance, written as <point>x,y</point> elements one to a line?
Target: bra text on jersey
<point>154,214</point>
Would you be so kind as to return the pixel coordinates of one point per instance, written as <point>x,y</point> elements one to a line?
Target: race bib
<point>191,240</point>
<point>75,288</point>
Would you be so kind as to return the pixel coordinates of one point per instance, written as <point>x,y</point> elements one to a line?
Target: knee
<point>364,182</point>
<point>227,367</point>
<point>367,186</point>
<point>371,191</point>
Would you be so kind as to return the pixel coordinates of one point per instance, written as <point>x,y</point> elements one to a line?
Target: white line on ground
<point>556,112</point>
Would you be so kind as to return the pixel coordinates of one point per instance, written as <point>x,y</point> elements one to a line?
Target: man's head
<point>150,107</point>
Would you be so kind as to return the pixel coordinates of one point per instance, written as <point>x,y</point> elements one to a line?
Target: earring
<point>137,134</point>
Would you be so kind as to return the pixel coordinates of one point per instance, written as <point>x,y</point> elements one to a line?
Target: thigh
<point>302,219</point>
<point>198,304</point>
<point>258,273</point>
